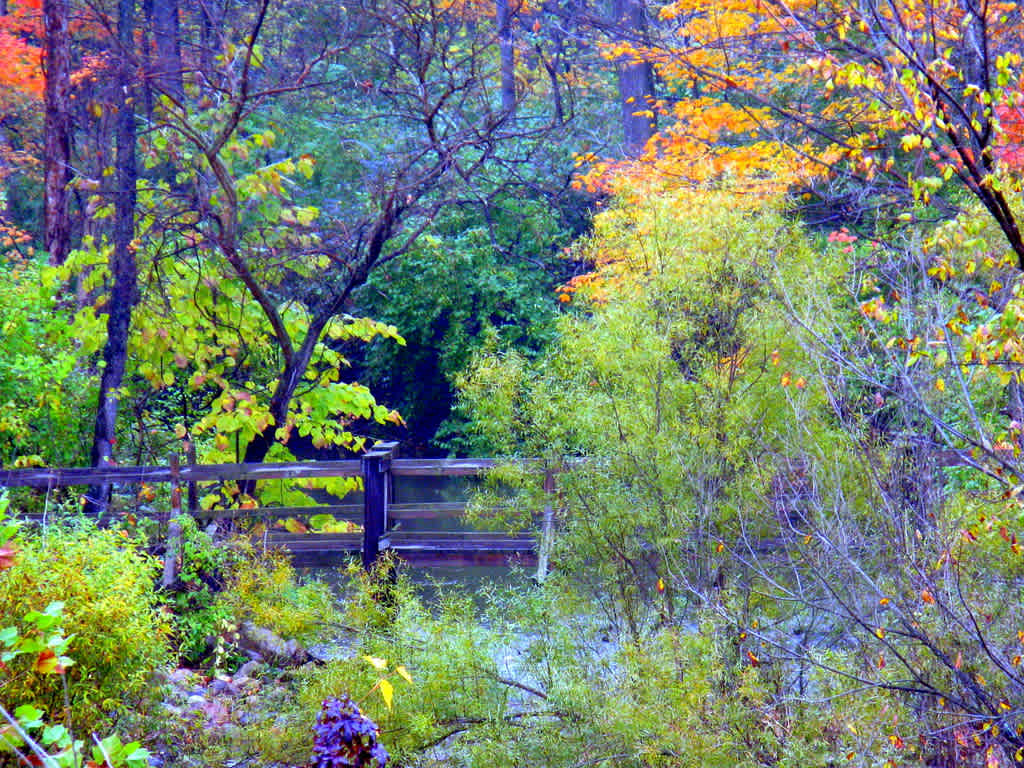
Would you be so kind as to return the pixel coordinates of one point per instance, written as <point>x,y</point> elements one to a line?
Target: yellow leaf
<point>940,385</point>
<point>387,690</point>
<point>403,673</point>
<point>379,664</point>
<point>295,526</point>
<point>880,633</point>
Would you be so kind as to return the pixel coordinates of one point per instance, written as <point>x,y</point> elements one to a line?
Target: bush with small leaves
<point>104,586</point>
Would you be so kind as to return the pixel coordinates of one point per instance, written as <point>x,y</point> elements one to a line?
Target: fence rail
<point>377,515</point>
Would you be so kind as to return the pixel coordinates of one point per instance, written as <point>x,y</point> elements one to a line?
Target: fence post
<point>547,526</point>
<point>193,491</point>
<point>376,466</point>
<point>174,531</point>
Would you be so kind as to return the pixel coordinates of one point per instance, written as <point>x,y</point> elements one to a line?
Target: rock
<point>181,677</point>
<point>249,669</point>
<point>246,685</point>
<point>223,687</point>
<point>216,711</point>
<point>283,653</point>
<point>324,652</point>
<point>195,701</point>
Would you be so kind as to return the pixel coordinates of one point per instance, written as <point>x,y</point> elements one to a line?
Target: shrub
<point>197,615</point>
<point>344,736</point>
<point>264,589</point>
<point>118,637</point>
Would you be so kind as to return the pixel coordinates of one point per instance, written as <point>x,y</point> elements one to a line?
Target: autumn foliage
<point>21,73</point>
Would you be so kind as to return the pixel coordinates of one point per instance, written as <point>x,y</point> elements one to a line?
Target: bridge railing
<point>378,469</point>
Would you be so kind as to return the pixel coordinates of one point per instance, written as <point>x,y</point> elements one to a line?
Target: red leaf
<point>7,557</point>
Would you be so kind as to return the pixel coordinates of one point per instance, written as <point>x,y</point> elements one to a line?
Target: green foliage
<point>499,289</point>
<point>265,590</point>
<point>676,387</point>
<point>224,583</point>
<point>44,394</point>
<point>109,605</point>
<point>197,615</point>
<point>27,732</point>
<point>510,679</point>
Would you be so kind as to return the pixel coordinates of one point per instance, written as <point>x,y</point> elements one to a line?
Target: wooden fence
<point>378,515</point>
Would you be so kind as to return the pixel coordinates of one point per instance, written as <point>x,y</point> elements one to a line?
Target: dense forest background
<point>746,275</point>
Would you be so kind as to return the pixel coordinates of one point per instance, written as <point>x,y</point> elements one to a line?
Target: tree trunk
<point>57,158</point>
<point>168,70</point>
<point>123,292</point>
<point>507,53</point>
<point>636,79</point>
<point>211,23</point>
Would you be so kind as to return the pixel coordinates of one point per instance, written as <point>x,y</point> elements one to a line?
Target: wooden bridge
<point>378,516</point>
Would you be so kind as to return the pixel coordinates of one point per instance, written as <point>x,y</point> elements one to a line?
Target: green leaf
<point>136,756</point>
<point>54,734</point>
<point>29,716</point>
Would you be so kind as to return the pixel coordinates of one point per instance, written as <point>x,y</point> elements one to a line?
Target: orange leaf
<point>46,663</point>
<point>926,596</point>
<point>754,661</point>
